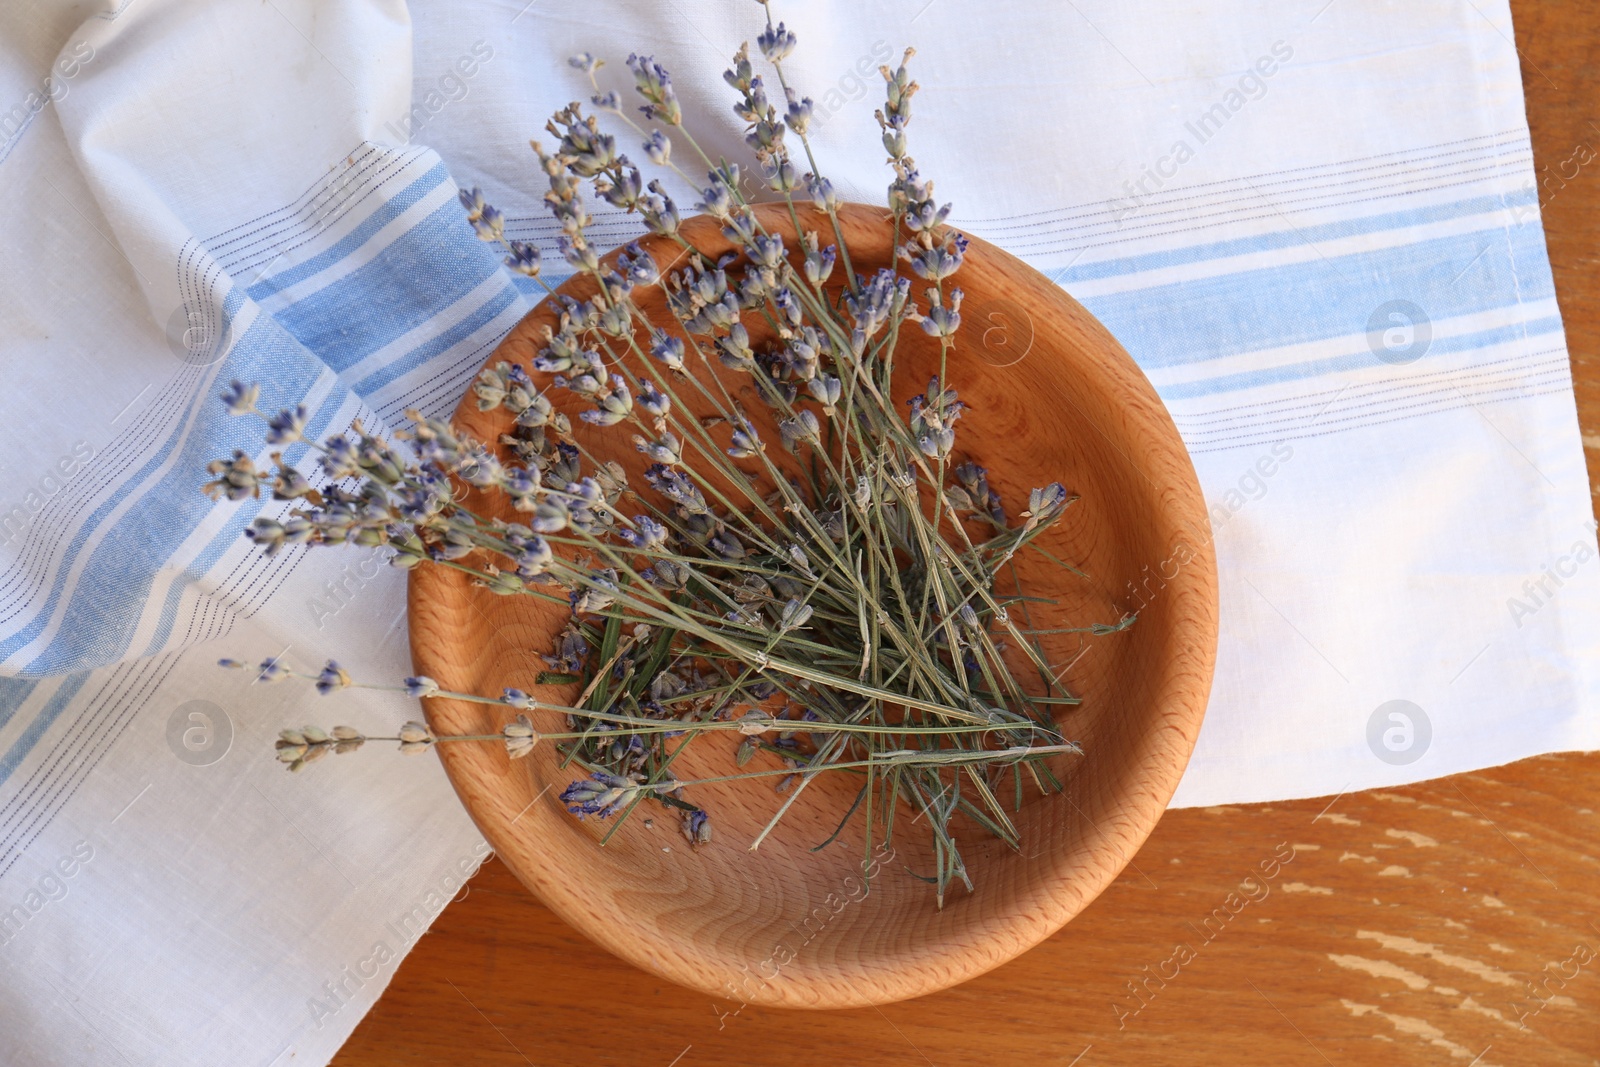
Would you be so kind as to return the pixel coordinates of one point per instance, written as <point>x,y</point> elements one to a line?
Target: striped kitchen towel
<point>209,194</point>
<point>1317,231</point>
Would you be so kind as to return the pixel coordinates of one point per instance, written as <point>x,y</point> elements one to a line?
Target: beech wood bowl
<point>1053,398</point>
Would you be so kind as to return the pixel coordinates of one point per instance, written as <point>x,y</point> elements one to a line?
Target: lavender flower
<point>240,399</point>
<point>697,827</point>
<point>524,259</point>
<point>658,147</point>
<point>272,536</point>
<point>746,442</point>
<point>776,43</point>
<point>332,678</point>
<point>669,350</point>
<point>597,596</point>
<point>795,615</point>
<point>802,427</point>
<point>798,115</point>
<point>272,670</point>
<point>1045,504</point>
<point>489,224</point>
<point>287,426</point>
<point>827,389</point>
<point>234,479</point>
<point>896,113</point>
<point>666,450</point>
<point>659,211</point>
<point>819,265</point>
<point>943,319</point>
<point>653,399</point>
<point>936,263</point>
<point>421,686</point>
<point>668,575</point>
<point>571,653</point>
<point>741,73</point>
<point>520,737</point>
<point>416,738</point>
<point>613,406</point>
<point>652,82</point>
<point>821,192</point>
<point>647,534</point>
<point>602,794</point>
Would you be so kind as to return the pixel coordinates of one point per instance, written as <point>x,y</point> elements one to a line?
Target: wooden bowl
<point>1053,398</point>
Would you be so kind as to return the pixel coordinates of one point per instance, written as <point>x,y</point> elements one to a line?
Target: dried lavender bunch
<point>837,607</point>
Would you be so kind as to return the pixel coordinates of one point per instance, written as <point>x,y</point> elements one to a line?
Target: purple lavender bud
<point>550,516</point>
<point>740,74</point>
<point>668,451</point>
<point>822,194</point>
<point>332,678</point>
<point>734,350</point>
<point>647,534</point>
<point>725,544</point>
<point>799,112</point>
<point>715,201</point>
<point>639,266</point>
<point>240,399</point>
<point>653,399</point>
<point>272,670</point>
<point>826,389</point>
<point>746,442</point>
<point>652,82</point>
<point>776,43</point>
<point>489,224</point>
<point>524,259</point>
<point>420,686</point>
<point>1046,503</point>
<point>819,265</point>
<point>658,146</point>
<point>286,426</point>
<point>697,827</point>
<point>802,427</point>
<point>602,794</point>
<point>266,533</point>
<point>623,191</point>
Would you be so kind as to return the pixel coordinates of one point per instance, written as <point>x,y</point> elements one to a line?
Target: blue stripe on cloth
<point>13,693</point>
<point>1355,360</point>
<point>471,324</point>
<point>530,287</point>
<point>357,237</point>
<point>415,278</point>
<point>1190,322</point>
<point>43,721</point>
<point>1269,242</point>
<point>99,619</point>
<point>432,266</point>
<point>233,530</point>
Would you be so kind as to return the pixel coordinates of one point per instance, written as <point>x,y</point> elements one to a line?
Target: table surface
<point>1451,921</point>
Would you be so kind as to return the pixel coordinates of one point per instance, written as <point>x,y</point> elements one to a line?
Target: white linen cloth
<point>1316,230</point>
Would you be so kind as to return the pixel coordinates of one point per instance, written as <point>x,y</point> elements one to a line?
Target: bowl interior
<point>1053,398</point>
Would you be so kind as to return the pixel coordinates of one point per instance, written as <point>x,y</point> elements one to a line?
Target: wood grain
<point>786,925</point>
<point>1489,886</point>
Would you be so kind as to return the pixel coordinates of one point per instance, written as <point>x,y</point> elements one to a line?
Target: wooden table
<point>1449,922</point>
